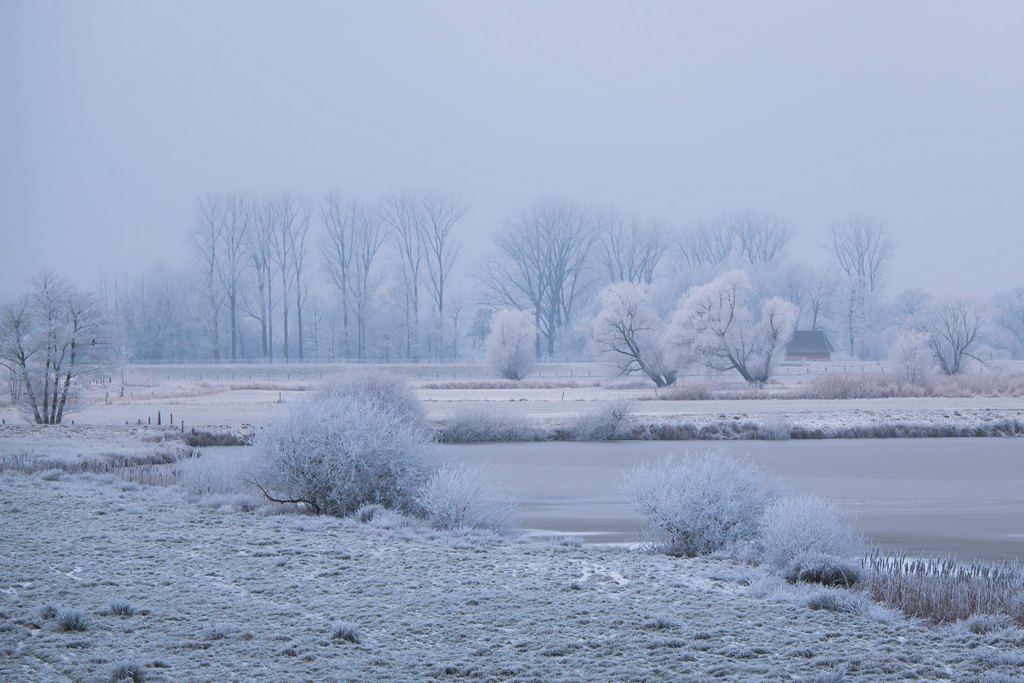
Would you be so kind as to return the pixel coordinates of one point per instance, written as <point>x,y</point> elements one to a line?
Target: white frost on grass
<point>427,604</point>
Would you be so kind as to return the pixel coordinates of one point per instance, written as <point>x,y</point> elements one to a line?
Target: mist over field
<point>511,341</point>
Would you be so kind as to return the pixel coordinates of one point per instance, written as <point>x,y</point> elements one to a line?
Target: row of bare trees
<point>344,278</point>
<point>253,258</point>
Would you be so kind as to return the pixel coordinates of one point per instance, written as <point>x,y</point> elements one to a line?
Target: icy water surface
<point>960,496</point>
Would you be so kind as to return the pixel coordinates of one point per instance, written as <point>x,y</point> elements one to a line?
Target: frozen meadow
<point>124,558</point>
<point>185,592</point>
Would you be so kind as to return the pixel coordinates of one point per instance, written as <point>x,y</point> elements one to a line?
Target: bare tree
<point>48,340</point>
<point>439,214</point>
<point>542,266</point>
<point>456,309</point>
<point>952,332</point>
<point>369,235</point>
<point>714,326</point>
<point>759,238</point>
<point>262,239</point>
<point>299,234</point>
<point>401,211</point>
<point>706,245</point>
<point>207,241</point>
<point>340,222</point>
<point>861,246</point>
<point>629,250</point>
<point>627,331</point>
<point>291,219</point>
<point>236,216</point>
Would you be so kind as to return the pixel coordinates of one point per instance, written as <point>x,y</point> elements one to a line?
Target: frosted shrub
<point>465,497</point>
<point>510,345</point>
<point>380,387</point>
<point>911,358</point>
<point>701,502</point>
<point>797,526</point>
<point>337,452</point>
<point>611,420</point>
<point>475,425</point>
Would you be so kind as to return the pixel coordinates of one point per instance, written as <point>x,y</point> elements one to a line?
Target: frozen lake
<point>960,496</point>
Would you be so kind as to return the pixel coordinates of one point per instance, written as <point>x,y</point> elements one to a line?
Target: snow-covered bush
<point>465,497</point>
<point>472,424</point>
<point>611,420</point>
<point>337,451</point>
<point>796,526</point>
<point>701,502</point>
<point>383,388</point>
<point>510,345</point>
<point>911,358</point>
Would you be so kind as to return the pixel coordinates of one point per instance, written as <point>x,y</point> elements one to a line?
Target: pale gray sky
<point>116,116</point>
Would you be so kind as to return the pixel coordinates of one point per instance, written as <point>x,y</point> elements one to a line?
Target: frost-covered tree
<point>627,332</point>
<point>715,325</point>
<point>911,357</point>
<point>50,338</point>
<point>953,329</point>
<point>510,344</point>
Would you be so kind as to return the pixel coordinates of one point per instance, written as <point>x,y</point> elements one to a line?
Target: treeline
<point>283,278</point>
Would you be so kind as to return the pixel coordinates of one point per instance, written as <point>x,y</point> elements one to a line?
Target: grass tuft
<point>127,672</point>
<point>121,608</point>
<point>72,620</point>
<point>346,632</point>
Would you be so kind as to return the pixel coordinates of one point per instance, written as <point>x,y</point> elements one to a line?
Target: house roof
<point>809,341</point>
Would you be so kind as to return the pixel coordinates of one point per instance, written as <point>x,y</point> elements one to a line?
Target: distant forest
<point>286,279</point>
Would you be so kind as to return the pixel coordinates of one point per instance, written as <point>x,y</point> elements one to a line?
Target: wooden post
<point>158,418</point>
<point>149,420</point>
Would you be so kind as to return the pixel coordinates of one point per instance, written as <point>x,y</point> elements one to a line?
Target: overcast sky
<point>115,117</point>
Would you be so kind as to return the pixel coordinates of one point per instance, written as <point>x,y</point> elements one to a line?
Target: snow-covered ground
<point>227,595</point>
<point>248,596</point>
<point>200,406</point>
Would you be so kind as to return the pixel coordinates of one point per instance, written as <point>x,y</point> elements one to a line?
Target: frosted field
<point>230,396</point>
<point>222,594</point>
<point>247,596</point>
